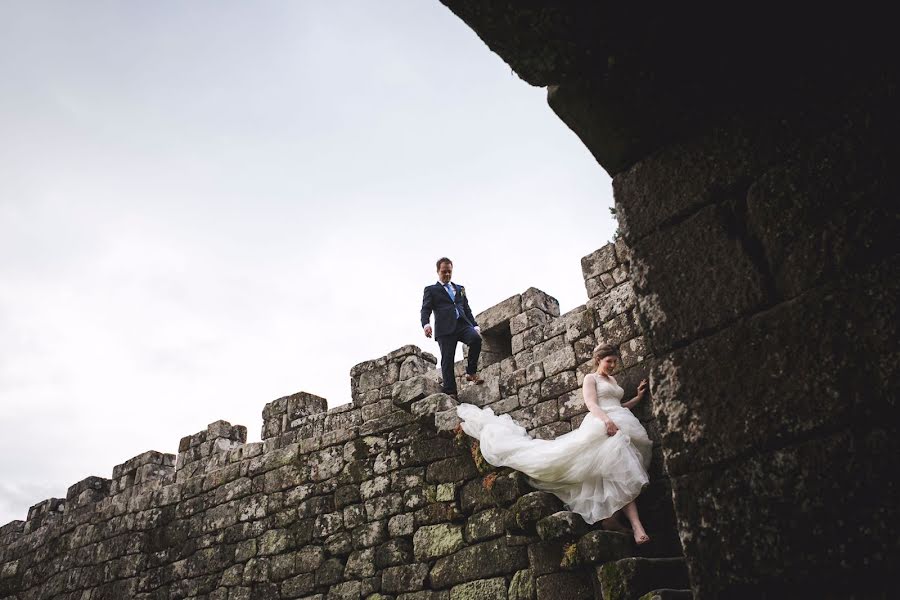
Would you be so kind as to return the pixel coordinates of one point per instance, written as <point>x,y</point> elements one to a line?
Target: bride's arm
<point>641,392</point>
<point>589,390</point>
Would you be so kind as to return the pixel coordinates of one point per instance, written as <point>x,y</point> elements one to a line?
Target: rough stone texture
<point>378,498</point>
<point>630,578</point>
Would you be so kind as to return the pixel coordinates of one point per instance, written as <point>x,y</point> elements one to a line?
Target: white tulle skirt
<point>593,473</point>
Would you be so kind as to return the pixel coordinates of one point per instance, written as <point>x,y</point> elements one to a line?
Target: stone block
<point>826,212</point>
<point>499,315</point>
<point>535,298</point>
<point>572,404</point>
<point>435,541</point>
<point>446,420</point>
<point>404,578</point>
<point>481,395</point>
<point>386,423</point>
<point>433,404</point>
<point>537,415</point>
<point>482,589</point>
<point>532,317</point>
<point>487,559</point>
<point>599,261</point>
<point>404,393</point>
<point>394,552</point>
<point>562,525</point>
<point>799,382</point>
<point>565,586</point>
<point>485,525</point>
<point>616,301</point>
<point>522,586</point>
<point>679,298</point>
<point>458,468</point>
<point>633,577</point>
<point>618,329</point>
<point>530,393</point>
<point>561,360</point>
<point>601,546</point>
<point>531,508</point>
<point>802,493</point>
<point>559,384</point>
<point>633,351</point>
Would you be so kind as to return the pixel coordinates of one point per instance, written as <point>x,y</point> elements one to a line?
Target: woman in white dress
<point>597,469</point>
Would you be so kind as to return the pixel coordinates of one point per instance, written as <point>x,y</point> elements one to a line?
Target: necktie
<point>452,293</point>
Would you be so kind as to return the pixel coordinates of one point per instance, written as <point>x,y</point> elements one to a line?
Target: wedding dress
<point>593,473</point>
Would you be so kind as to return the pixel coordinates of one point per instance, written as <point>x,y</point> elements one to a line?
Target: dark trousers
<point>466,334</point>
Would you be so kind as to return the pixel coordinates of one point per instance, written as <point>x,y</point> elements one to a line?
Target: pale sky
<point>208,205</point>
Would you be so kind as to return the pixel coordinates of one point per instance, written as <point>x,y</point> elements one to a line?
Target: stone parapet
<point>380,497</point>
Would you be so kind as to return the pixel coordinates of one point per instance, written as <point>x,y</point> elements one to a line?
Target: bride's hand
<point>642,388</point>
<point>611,428</point>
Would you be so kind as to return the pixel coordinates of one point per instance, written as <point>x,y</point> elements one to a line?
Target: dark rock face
<point>753,165</point>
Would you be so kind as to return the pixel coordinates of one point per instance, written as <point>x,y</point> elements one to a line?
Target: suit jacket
<point>437,300</point>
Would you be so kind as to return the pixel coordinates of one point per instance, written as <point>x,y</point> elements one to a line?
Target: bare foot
<point>613,524</point>
<point>640,536</point>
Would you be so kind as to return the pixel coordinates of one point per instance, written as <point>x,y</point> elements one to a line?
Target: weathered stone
<point>559,361</point>
<point>436,541</point>
<point>394,552</point>
<point>562,525</point>
<point>360,563</point>
<point>498,316</point>
<point>404,578</point>
<point>406,392</point>
<point>565,586</point>
<point>522,586</point>
<point>482,589</point>
<point>535,298</point>
<point>481,395</point>
<point>559,384</point>
<point>401,525</point>
<point>530,318</point>
<point>458,468</point>
<point>603,546</point>
<point>432,405</point>
<point>599,261</point>
<point>487,559</point>
<point>633,577</point>
<point>531,508</point>
<point>485,525</point>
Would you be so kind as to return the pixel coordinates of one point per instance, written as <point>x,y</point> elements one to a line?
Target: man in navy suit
<point>453,322</point>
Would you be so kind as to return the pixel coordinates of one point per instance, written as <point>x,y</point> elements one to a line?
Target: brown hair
<point>441,261</point>
<point>604,350</point>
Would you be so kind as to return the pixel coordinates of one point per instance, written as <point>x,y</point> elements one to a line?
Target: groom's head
<point>444,269</point>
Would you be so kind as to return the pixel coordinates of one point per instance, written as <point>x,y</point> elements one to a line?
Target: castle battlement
<point>369,495</point>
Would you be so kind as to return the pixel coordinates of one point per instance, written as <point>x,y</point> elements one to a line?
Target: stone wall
<point>752,149</point>
<point>381,498</point>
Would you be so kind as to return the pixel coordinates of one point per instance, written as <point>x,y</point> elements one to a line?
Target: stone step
<point>631,578</point>
<point>668,594</point>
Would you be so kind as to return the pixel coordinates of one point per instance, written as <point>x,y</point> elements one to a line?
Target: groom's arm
<point>426,307</point>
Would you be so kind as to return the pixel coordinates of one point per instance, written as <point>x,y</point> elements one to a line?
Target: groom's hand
<point>428,331</point>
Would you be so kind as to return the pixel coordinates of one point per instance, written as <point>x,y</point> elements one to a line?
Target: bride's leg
<point>631,511</point>
<point>613,524</point>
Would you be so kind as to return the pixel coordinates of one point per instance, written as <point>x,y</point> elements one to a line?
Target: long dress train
<point>593,473</point>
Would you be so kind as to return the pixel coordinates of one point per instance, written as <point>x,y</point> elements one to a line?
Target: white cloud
<point>204,207</point>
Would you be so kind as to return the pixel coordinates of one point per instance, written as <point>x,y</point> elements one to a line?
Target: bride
<point>596,469</point>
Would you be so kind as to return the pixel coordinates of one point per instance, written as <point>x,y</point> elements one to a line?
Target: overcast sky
<point>207,205</point>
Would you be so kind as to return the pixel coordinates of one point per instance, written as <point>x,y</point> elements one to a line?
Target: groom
<point>453,322</point>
